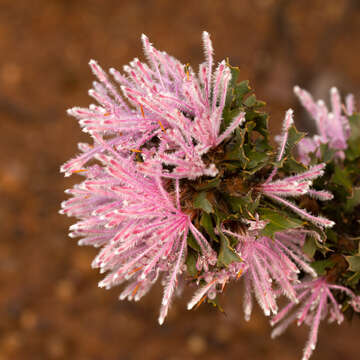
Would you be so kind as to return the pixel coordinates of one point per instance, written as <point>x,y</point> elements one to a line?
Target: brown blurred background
<point>50,305</point>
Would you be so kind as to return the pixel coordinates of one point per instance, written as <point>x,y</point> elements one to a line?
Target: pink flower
<point>296,185</point>
<point>332,127</point>
<point>144,141</point>
<point>268,266</point>
<point>316,302</point>
<point>166,101</point>
<point>138,222</point>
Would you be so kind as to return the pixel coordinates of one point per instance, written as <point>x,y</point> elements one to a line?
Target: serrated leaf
<point>290,165</point>
<point>244,205</point>
<point>254,204</point>
<point>294,136</point>
<point>256,160</point>
<point>209,184</point>
<point>354,262</point>
<point>192,242</point>
<point>242,89</point>
<point>220,216</point>
<point>235,72</point>
<point>201,202</point>
<point>227,255</point>
<point>278,221</point>
<point>235,150</point>
<point>250,101</point>
<point>207,224</point>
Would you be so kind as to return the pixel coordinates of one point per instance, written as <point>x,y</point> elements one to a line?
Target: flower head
<point>268,266</point>
<point>163,100</point>
<point>146,140</point>
<point>332,126</point>
<point>181,177</point>
<point>295,185</point>
<point>316,302</point>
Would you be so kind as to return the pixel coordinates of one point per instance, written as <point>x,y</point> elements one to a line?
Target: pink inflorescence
<point>171,116</point>
<point>317,302</point>
<point>268,266</point>
<point>149,142</point>
<point>296,185</point>
<point>332,126</point>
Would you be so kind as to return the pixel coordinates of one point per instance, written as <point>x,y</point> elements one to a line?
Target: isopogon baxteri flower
<point>268,265</point>
<point>296,185</point>
<point>316,302</point>
<point>165,100</point>
<point>332,127</point>
<point>169,117</point>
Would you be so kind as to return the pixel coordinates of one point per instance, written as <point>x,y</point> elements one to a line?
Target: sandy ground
<point>50,305</point>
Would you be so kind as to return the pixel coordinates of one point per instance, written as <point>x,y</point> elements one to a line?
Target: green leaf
<point>250,101</point>
<point>209,184</point>
<point>244,205</point>
<point>290,165</point>
<point>309,247</point>
<point>192,242</point>
<point>321,266</point>
<point>227,255</point>
<point>242,89</point>
<point>253,204</point>
<point>201,202</point>
<point>278,221</point>
<point>235,150</point>
<point>235,72</point>
<point>354,262</point>
<point>207,224</point>
<point>294,136</point>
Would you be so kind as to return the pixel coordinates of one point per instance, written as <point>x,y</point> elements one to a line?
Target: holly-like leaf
<point>244,205</point>
<point>207,224</point>
<point>201,202</point>
<point>242,89</point>
<point>235,150</point>
<point>257,160</point>
<point>250,101</point>
<point>294,136</point>
<point>227,255</point>
<point>292,166</point>
<point>193,243</point>
<point>278,221</point>
<point>209,184</point>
